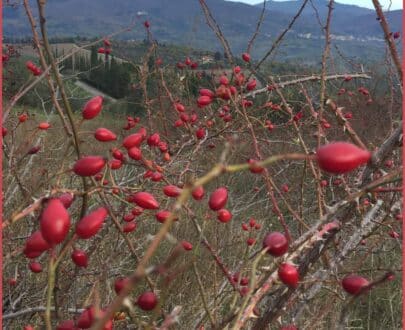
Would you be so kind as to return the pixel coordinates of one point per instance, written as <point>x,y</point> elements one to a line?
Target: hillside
<point>182,22</point>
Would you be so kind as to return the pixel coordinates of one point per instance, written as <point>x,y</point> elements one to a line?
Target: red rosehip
<point>34,150</point>
<point>145,200</point>
<point>54,222</point>
<point>90,224</point>
<point>66,199</point>
<point>92,108</point>
<point>223,80</point>
<point>104,135</point>
<point>324,183</point>
<point>218,199</point>
<point>198,193</point>
<point>162,216</point>
<point>147,301</point>
<point>246,57</point>
<point>12,281</point>
<point>120,283</point>
<point>172,191</point>
<point>250,241</point>
<point>200,133</point>
<point>133,140</point>
<point>179,107</point>
<point>153,140</point>
<point>206,92</point>
<point>115,164</point>
<point>79,257</point>
<point>156,177</point>
<point>353,284</point>
<point>44,126</point>
<point>23,117</point>
<point>129,227</point>
<point>224,215</point>
<point>288,274</point>
<point>35,267</point>
<point>276,243</point>
<point>341,157</point>
<point>254,168</point>
<point>36,243</point>
<point>186,245</point>
<point>89,165</point>
<point>251,85</point>
<point>203,101</point>
<point>135,153</point>
<point>117,154</point>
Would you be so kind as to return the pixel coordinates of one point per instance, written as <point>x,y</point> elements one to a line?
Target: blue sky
<point>396,4</point>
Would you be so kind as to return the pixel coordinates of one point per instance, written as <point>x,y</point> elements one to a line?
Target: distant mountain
<point>356,30</point>
<point>346,20</point>
<point>292,6</point>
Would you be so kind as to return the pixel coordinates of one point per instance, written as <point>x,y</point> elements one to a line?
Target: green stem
<point>58,79</point>
<point>51,285</point>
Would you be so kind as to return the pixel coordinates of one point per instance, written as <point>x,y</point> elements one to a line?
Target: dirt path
<point>94,91</point>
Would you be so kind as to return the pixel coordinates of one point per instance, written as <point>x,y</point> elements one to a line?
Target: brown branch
<point>388,38</point>
<point>307,79</point>
<point>325,56</point>
<point>259,23</point>
<point>281,36</point>
<point>69,112</point>
<point>346,125</point>
<point>393,141</point>
<point>217,30</point>
<point>38,309</point>
<point>44,66</point>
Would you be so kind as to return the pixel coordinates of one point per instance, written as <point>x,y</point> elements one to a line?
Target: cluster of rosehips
<point>106,49</point>
<point>248,227</point>
<point>334,158</point>
<point>36,71</point>
<point>364,91</point>
<point>55,223</point>
<point>186,119</point>
<point>54,227</point>
<point>272,106</point>
<point>131,122</point>
<point>146,301</point>
<point>22,118</point>
<point>217,201</point>
<point>224,92</point>
<point>242,281</point>
<point>187,63</point>
<point>277,245</point>
<point>10,52</point>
